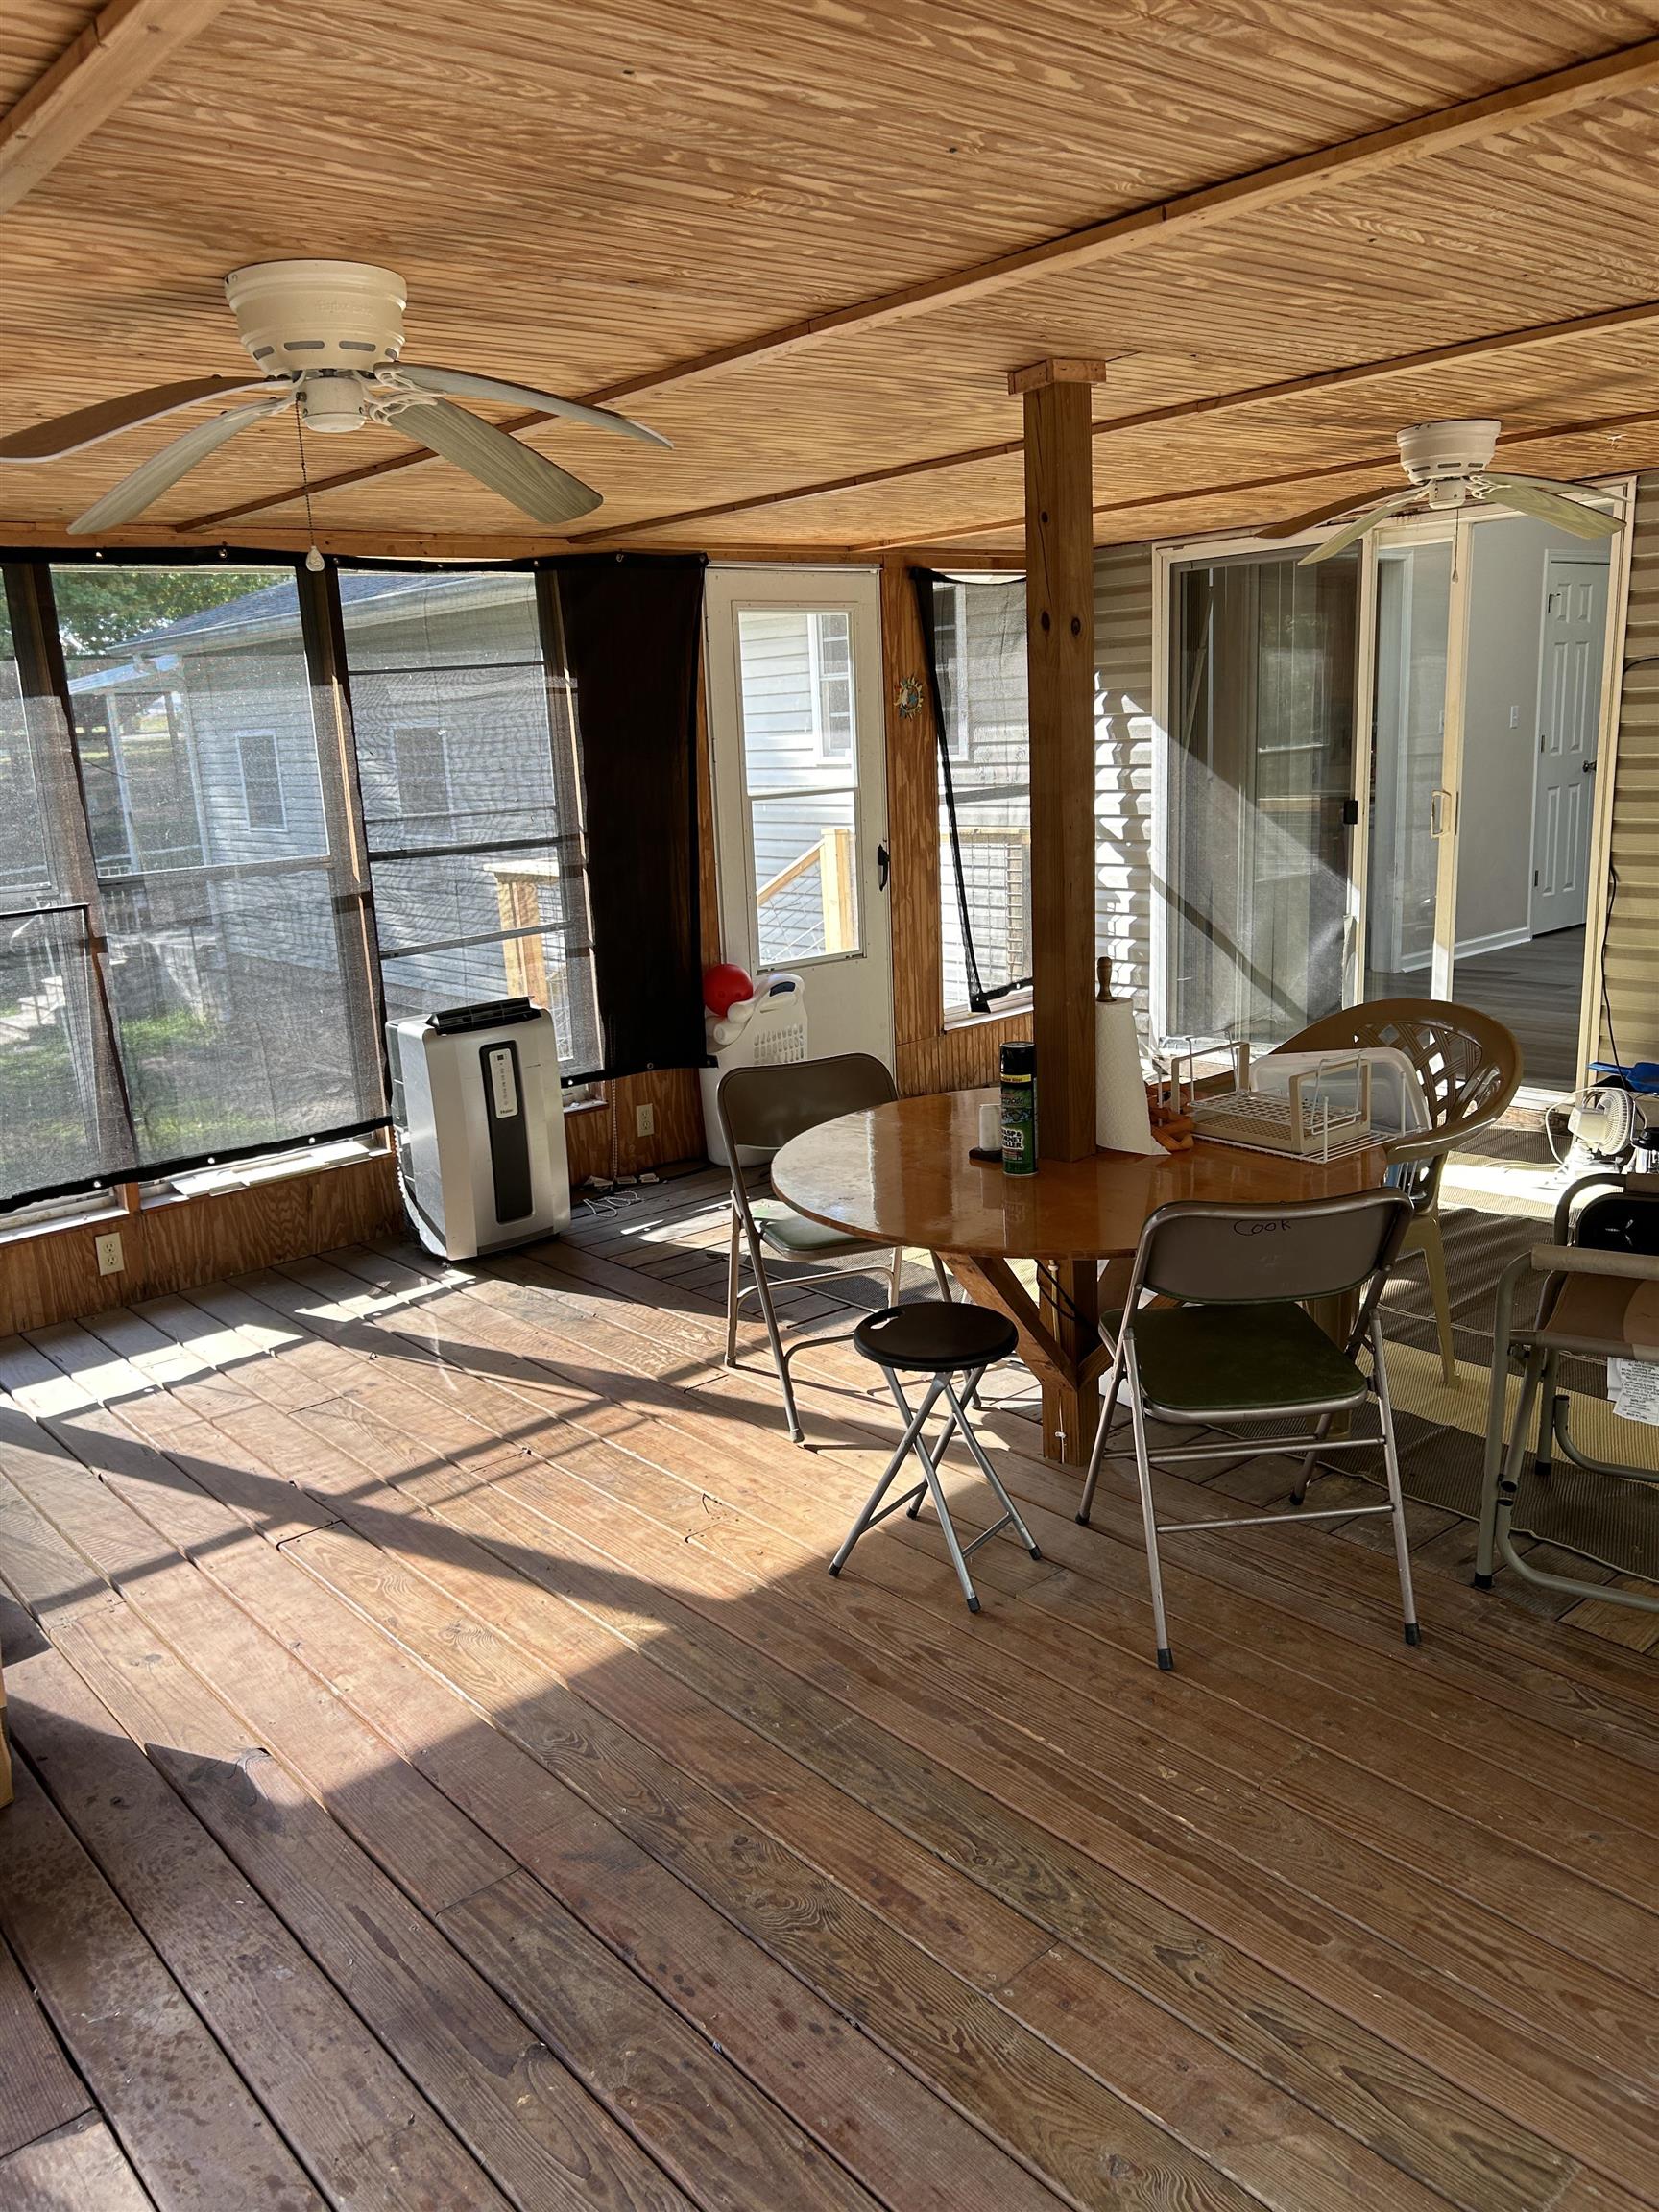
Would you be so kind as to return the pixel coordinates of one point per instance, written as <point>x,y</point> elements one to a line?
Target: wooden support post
<point>1060,625</point>
<point>1060,619</point>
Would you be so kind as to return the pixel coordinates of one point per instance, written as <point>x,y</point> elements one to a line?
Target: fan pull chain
<point>313,559</point>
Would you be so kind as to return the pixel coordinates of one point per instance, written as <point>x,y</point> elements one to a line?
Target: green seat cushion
<point>793,1235</point>
<point>1201,1359</point>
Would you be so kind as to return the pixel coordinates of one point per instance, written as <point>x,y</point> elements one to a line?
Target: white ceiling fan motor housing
<point>1437,452</point>
<point>300,315</point>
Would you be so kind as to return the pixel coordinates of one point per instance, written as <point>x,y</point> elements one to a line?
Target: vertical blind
<point>246,812</point>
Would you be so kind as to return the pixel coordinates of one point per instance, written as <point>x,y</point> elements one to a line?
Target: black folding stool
<point>932,1338</point>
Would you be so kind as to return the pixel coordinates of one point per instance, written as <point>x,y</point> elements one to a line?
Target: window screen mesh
<point>471,797</point>
<point>985,787</point>
<point>236,961</point>
<point>62,1120</point>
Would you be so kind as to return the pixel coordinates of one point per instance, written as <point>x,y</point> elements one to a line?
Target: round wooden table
<point>900,1174</point>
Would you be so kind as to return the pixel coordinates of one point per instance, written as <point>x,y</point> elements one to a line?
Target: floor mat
<point>1442,1431</point>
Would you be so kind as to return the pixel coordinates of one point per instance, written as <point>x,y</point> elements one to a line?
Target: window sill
<point>1004,1010</point>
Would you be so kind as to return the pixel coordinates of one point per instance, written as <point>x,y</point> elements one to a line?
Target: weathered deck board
<point>471,1630</point>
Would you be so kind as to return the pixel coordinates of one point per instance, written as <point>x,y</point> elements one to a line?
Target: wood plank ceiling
<point>587,195</point>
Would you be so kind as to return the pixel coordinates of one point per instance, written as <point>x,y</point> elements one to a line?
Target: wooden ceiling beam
<point>122,48</point>
<point>1609,321</point>
<point>1535,99</point>
<point>1384,473</point>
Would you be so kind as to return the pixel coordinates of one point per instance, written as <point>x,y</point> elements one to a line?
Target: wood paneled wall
<point>928,1055</point>
<point>604,1140</point>
<point>54,1276</point>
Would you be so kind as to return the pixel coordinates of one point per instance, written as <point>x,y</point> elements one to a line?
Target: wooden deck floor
<point>448,1778</point>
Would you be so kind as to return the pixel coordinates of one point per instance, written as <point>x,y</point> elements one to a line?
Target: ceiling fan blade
<point>163,470</point>
<point>69,433</point>
<point>1341,540</point>
<point>1533,495</point>
<point>1314,516</point>
<point>525,478</point>
<point>464,385</point>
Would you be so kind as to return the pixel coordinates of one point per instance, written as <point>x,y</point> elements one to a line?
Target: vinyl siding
<point>1633,956</point>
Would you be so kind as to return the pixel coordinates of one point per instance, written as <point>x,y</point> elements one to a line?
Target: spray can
<point>1018,1072</point>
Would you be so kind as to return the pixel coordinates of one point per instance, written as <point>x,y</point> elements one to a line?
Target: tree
<point>103,607</point>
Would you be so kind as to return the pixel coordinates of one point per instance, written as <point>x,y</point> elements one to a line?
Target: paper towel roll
<point>1121,1123</point>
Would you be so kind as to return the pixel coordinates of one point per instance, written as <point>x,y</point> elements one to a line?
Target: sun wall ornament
<point>909,697</point>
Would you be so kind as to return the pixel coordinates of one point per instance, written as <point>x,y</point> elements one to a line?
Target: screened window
<point>261,779</point>
<point>480,879</point>
<point>183,967</point>
<point>984,788</point>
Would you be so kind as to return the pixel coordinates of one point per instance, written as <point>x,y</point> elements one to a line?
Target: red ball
<point>723,986</point>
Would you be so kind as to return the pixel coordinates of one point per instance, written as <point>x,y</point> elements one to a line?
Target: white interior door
<point>795,744</point>
<point>1569,716</point>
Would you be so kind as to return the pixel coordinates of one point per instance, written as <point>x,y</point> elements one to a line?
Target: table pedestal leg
<point>1070,1301</point>
<point>1059,1342</point>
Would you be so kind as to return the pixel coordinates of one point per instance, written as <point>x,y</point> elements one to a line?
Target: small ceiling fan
<point>1448,464</point>
<point>326,336</point>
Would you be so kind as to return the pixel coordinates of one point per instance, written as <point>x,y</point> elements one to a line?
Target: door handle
<point>1587,768</point>
<point>883,870</point>
<point>1439,802</point>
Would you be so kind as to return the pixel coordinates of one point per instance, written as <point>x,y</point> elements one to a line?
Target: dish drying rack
<point>1303,1121</point>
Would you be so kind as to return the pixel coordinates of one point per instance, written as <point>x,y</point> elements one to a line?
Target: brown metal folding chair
<point>760,1110</point>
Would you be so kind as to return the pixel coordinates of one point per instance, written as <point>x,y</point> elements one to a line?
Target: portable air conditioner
<point>479,1126</point>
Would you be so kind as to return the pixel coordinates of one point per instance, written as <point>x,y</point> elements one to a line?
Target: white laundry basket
<point>764,1031</point>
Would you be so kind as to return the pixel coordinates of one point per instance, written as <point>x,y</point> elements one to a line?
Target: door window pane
<point>797,680</point>
<point>1261,761</point>
<point>806,876</point>
<point>1413,614</point>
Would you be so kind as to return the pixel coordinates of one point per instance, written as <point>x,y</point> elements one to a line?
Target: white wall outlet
<point>1514,718</point>
<point>108,1249</point>
<point>646,1120</point>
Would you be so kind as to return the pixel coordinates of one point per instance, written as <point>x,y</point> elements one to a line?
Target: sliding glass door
<point>1260,793</point>
<point>1415,764</point>
<point>1378,779</point>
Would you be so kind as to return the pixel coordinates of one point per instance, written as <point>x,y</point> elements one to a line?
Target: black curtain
<point>632,626</point>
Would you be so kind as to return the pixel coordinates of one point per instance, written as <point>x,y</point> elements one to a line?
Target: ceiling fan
<point>1448,464</point>
<point>326,336</point>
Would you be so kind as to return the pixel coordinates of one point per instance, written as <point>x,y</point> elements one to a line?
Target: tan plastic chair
<point>760,1110</point>
<point>1470,1068</point>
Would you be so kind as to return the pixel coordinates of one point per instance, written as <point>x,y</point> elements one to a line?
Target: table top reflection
<point>900,1174</point>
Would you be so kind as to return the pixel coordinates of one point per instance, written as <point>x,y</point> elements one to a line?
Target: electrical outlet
<point>108,1249</point>
<point>644,1121</point>
<point>1514,718</point>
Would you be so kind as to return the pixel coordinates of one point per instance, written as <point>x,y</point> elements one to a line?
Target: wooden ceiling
<point>606,199</point>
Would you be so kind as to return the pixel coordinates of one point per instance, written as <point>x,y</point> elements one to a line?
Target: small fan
<point>326,336</point>
<point>1448,465</point>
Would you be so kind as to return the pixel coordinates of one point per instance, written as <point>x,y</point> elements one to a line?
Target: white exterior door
<point>1569,716</point>
<point>795,743</point>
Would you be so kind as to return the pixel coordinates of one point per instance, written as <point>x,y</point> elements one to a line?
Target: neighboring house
<point>201,756</point>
